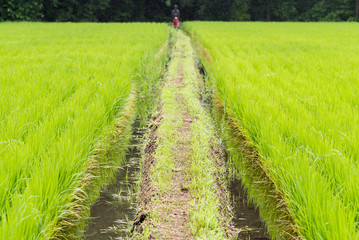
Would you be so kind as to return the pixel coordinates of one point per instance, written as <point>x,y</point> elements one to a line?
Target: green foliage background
<point>160,10</point>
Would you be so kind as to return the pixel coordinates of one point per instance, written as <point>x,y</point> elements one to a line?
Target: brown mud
<point>146,190</point>
<point>246,220</point>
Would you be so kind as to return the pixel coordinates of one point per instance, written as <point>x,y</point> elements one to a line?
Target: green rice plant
<point>291,89</point>
<point>63,88</point>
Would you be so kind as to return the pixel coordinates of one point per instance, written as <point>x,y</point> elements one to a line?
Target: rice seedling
<point>291,88</point>
<point>62,88</point>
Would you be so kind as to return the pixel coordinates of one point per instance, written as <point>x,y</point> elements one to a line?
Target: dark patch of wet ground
<point>246,219</point>
<point>114,211</point>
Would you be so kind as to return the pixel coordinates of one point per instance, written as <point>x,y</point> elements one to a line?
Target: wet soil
<point>113,212</point>
<point>246,219</point>
<point>146,189</point>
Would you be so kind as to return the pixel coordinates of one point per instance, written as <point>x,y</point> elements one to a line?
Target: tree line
<point>159,10</point>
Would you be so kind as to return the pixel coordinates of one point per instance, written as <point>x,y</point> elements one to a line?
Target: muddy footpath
<point>175,183</point>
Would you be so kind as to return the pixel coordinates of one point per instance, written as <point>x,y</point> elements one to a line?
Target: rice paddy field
<point>69,93</point>
<point>293,90</point>
<point>62,87</point>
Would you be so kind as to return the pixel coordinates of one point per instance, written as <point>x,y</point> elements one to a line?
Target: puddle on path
<point>245,216</point>
<point>116,207</point>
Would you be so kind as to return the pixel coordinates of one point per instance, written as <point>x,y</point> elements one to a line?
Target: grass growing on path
<point>185,202</point>
<point>206,220</point>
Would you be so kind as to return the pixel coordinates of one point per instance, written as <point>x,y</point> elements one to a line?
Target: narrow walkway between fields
<point>182,190</point>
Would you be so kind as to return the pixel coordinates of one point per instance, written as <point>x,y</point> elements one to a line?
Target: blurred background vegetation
<point>160,10</point>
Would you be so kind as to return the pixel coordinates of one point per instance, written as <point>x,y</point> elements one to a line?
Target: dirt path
<point>181,197</point>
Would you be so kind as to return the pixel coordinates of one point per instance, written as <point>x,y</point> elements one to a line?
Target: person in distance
<point>175,15</point>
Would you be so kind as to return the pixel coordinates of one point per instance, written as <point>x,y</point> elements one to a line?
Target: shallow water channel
<point>114,211</point>
<point>246,219</point>
<point>245,216</point>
